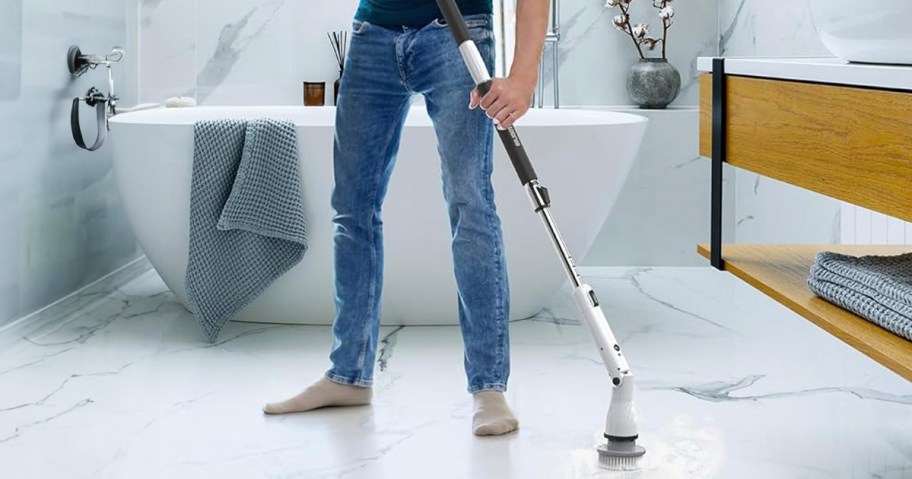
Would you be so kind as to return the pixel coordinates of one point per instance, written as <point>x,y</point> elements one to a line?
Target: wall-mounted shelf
<point>841,130</point>
<point>781,271</point>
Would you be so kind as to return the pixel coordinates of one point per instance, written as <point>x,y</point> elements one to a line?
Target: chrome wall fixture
<point>552,41</point>
<point>105,105</point>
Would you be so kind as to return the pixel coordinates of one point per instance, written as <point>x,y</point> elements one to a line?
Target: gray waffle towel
<point>247,223</point>
<point>877,288</point>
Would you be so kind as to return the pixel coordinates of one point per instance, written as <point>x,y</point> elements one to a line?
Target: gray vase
<point>653,83</point>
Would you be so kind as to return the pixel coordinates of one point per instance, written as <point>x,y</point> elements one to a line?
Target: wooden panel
<point>852,144</point>
<point>781,272</point>
<point>706,114</point>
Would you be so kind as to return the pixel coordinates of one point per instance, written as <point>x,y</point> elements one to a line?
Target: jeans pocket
<point>359,27</point>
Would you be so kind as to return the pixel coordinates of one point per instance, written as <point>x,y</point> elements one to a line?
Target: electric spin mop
<point>620,451</point>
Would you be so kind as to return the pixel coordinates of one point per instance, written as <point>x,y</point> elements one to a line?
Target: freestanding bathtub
<point>582,157</point>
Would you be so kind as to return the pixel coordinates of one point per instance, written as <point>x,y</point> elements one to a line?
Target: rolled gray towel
<point>864,306</point>
<point>877,288</point>
<point>891,276</point>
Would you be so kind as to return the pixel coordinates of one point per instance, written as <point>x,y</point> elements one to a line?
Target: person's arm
<point>510,97</point>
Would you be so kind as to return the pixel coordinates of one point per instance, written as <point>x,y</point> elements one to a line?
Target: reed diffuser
<point>339,42</point>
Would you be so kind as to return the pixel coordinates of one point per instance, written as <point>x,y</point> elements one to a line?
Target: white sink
<point>872,31</point>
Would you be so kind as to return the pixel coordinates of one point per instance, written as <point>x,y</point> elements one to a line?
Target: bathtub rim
<point>324,116</point>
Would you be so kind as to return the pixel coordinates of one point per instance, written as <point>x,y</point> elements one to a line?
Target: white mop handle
<point>472,58</point>
<point>607,344</point>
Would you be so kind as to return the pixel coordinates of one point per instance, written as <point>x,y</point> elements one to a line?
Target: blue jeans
<point>385,69</point>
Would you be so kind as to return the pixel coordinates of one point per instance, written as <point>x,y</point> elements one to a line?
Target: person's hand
<point>507,101</point>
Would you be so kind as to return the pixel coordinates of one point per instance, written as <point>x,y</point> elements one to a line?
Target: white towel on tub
<point>247,223</point>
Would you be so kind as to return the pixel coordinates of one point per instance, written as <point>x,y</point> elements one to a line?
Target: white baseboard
<point>89,293</point>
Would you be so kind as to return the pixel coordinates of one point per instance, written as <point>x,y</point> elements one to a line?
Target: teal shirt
<point>413,12</point>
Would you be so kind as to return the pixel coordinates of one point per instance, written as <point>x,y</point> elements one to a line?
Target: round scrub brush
<point>621,455</point>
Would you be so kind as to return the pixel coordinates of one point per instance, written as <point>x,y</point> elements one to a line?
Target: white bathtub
<point>582,157</point>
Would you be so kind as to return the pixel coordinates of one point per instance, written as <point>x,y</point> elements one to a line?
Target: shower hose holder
<point>105,105</point>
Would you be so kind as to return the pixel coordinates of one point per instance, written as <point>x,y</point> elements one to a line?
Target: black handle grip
<point>454,19</point>
<point>510,139</point>
<point>515,149</point>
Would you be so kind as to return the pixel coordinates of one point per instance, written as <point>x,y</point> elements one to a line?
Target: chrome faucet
<point>552,40</point>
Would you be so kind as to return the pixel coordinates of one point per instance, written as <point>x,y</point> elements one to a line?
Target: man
<point>399,49</point>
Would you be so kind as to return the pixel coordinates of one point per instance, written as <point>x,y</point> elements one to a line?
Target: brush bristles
<point>615,463</point>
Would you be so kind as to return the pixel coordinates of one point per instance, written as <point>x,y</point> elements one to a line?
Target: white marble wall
<point>238,53</point>
<point>62,225</point>
<point>768,28</point>
<point>662,212</point>
<point>766,210</point>
<point>259,51</point>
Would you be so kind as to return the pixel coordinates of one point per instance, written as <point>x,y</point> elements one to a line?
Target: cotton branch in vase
<point>639,32</point>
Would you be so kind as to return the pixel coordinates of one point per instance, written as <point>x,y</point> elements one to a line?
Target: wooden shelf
<point>781,271</point>
<point>848,143</point>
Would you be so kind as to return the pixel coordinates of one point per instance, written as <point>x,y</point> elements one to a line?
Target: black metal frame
<point>719,148</point>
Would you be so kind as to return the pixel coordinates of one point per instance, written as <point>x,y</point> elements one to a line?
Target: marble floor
<point>731,385</point>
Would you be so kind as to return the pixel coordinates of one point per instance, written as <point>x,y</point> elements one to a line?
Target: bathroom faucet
<point>552,40</point>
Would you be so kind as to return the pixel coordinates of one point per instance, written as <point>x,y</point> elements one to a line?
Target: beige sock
<point>492,416</point>
<point>322,393</point>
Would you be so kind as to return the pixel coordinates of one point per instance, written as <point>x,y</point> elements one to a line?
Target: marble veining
<point>42,401</point>
<point>720,391</point>
<point>746,218</point>
<point>148,10</point>
<point>634,276</point>
<point>690,77</point>
<point>726,34</point>
<point>760,28</point>
<point>731,384</point>
<point>232,41</point>
<point>21,429</point>
<point>687,163</point>
<point>548,316</point>
<point>579,26</point>
<point>36,361</point>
